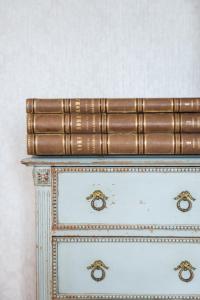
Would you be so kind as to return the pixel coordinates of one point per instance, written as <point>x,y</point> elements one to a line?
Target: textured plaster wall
<point>79,48</point>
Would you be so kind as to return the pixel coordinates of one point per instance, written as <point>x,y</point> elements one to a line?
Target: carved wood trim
<point>74,239</point>
<point>57,170</point>
<point>42,176</point>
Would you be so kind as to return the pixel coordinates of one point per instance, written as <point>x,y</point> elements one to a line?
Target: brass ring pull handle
<point>184,197</point>
<point>184,268</point>
<point>98,197</point>
<point>98,265</point>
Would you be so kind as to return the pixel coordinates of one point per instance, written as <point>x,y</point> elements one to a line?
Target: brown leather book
<point>113,123</point>
<point>113,105</point>
<point>113,144</point>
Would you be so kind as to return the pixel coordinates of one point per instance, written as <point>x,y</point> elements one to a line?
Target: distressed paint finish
<point>110,161</point>
<point>41,176</point>
<point>50,233</point>
<point>42,179</point>
<point>140,262</point>
<point>129,205</point>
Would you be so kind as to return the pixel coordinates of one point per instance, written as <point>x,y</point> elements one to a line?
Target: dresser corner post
<point>42,182</point>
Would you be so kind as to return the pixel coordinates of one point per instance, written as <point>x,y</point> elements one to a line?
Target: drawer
<point>86,268</point>
<point>126,198</point>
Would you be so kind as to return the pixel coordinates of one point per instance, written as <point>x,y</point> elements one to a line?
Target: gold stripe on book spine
<point>179,120</point>
<point>30,120</point>
<point>136,108</point>
<point>77,105</point>
<point>192,104</point>
<point>34,144</point>
<point>140,105</point>
<point>104,123</point>
<point>143,123</point>
<point>93,106</point>
<point>176,105</point>
<point>135,105</point>
<point>137,122</point>
<point>100,145</point>
<point>66,123</point>
<point>176,123</point>
<point>197,104</point>
<point>106,106</point>
<point>140,141</point>
<point>34,123</point>
<point>63,144</point>
<point>63,105</point>
<point>143,105</point>
<point>70,122</point>
<point>172,104</point>
<point>67,105</point>
<point>34,106</point>
<point>29,106</point>
<point>30,144</point>
<point>173,143</point>
<point>63,123</point>
<point>105,144</point>
<point>144,144</point>
<point>173,127</point>
<point>102,105</point>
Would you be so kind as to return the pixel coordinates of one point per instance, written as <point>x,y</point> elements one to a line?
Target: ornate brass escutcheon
<point>184,196</point>
<point>96,197</point>
<point>185,266</point>
<point>98,265</point>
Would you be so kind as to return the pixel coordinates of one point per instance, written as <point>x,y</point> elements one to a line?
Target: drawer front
<point>157,198</point>
<point>86,268</point>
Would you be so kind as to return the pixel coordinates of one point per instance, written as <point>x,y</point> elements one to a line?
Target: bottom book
<point>113,144</point>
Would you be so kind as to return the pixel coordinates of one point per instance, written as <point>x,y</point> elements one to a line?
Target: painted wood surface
<point>140,191</point>
<point>134,266</point>
<point>114,161</point>
<point>43,232</point>
<point>133,197</point>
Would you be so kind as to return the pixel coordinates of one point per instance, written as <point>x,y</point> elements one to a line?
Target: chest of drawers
<point>117,228</point>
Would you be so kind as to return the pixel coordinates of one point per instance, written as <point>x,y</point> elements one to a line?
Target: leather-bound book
<point>113,144</point>
<point>114,123</point>
<point>113,105</point>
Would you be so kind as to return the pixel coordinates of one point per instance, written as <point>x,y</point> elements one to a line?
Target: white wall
<point>79,48</point>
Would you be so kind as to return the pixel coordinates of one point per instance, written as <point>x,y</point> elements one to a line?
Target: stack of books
<point>113,126</point>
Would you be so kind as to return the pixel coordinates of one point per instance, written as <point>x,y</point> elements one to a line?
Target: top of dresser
<point>113,161</point>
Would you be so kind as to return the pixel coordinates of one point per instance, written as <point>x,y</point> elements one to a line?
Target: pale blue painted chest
<point>117,227</point>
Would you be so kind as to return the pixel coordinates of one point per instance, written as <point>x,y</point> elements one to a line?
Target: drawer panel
<point>139,266</point>
<point>88,198</point>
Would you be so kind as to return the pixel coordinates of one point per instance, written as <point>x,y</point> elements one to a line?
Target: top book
<point>112,105</point>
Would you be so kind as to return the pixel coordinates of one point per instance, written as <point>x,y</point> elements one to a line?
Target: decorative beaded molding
<point>135,239</point>
<point>42,176</point>
<point>128,169</point>
<point>73,239</point>
<point>149,227</point>
<point>136,297</point>
<point>57,170</point>
<point>140,297</point>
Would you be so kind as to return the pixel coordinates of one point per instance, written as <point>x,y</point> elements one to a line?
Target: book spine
<point>113,144</point>
<point>113,105</point>
<point>114,123</point>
